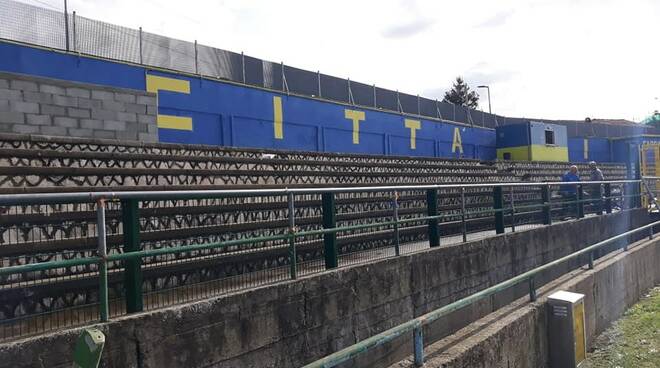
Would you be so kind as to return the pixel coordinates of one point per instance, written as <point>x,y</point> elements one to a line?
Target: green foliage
<point>460,94</point>
<point>633,341</point>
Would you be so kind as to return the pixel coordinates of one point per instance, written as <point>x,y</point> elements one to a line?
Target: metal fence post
<point>132,267</point>
<point>66,26</point>
<point>547,208</point>
<point>104,309</point>
<point>395,210</point>
<point>532,290</point>
<point>293,259</point>
<point>591,260</point>
<point>432,210</point>
<point>75,42</point>
<point>196,59</point>
<point>513,210</point>
<point>498,204</point>
<point>608,198</point>
<point>140,45</point>
<point>329,222</point>
<point>418,338</point>
<point>580,200</point>
<point>318,82</point>
<point>243,65</point>
<point>463,224</point>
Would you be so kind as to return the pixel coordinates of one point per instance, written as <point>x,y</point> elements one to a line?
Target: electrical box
<point>88,350</point>
<point>567,336</point>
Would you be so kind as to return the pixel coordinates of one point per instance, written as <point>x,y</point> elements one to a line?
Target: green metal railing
<point>133,255</point>
<point>415,325</point>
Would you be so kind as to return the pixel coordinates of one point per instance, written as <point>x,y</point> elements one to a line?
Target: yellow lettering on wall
<point>458,143</point>
<point>413,125</point>
<point>586,149</point>
<point>277,117</point>
<point>157,83</point>
<point>356,116</point>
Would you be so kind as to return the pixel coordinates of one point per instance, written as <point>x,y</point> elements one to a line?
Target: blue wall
<point>233,115</point>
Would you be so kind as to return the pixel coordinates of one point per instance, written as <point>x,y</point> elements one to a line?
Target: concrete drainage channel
<point>517,335</point>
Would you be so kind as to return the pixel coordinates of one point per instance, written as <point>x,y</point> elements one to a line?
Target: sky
<point>555,59</point>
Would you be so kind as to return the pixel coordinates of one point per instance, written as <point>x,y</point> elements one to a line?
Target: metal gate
<point>649,165</point>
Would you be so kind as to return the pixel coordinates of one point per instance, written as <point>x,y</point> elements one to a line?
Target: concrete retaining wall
<point>517,335</point>
<point>52,107</point>
<point>293,323</point>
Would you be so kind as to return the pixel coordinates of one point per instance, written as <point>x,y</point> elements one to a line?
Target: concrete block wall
<point>52,107</point>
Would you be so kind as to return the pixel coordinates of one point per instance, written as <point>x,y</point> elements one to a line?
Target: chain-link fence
<point>30,22</point>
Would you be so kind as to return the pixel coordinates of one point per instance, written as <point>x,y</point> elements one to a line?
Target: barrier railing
<point>506,212</point>
<point>415,325</point>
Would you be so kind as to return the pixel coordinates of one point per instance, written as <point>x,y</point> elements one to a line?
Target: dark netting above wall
<point>428,107</point>
<point>333,88</point>
<point>254,71</point>
<point>219,63</point>
<point>37,25</point>
<point>408,103</point>
<point>363,94</point>
<point>386,99</point>
<point>272,73</point>
<point>301,81</point>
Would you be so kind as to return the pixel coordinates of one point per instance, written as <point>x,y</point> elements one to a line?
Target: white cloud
<point>549,58</point>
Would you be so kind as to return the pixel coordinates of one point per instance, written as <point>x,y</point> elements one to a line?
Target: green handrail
<point>352,351</point>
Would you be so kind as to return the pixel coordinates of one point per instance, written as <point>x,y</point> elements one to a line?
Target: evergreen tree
<point>460,94</point>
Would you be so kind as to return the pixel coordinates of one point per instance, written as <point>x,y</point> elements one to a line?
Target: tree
<point>460,94</point>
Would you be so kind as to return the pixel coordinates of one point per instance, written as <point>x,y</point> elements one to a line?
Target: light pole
<point>487,89</point>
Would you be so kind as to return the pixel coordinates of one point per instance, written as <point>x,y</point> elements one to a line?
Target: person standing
<point>569,191</point>
<point>595,189</point>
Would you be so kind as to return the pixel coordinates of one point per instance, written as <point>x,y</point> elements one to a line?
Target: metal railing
<point>505,213</point>
<point>415,325</point>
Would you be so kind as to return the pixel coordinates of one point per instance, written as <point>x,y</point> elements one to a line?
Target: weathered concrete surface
<point>516,336</point>
<point>293,323</point>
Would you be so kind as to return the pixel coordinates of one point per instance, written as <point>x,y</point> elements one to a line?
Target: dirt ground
<point>633,341</point>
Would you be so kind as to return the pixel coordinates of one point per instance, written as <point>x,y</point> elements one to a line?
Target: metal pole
<point>395,204</point>
<point>432,210</point>
<point>463,224</point>
<point>318,81</point>
<point>591,260</point>
<point>196,60</point>
<point>513,211</point>
<point>418,338</point>
<point>350,92</point>
<point>130,209</point>
<point>243,66</point>
<point>547,207</point>
<point>329,222</point>
<point>498,206</point>
<point>651,233</point>
<point>75,43</point>
<point>419,106</point>
<point>103,264</point>
<point>490,111</point>
<point>66,26</point>
<point>140,45</point>
<point>374,89</point>
<point>292,237</point>
<point>532,290</point>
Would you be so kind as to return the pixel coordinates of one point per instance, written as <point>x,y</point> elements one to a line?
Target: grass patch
<point>633,341</point>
